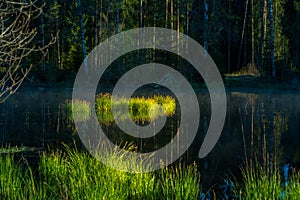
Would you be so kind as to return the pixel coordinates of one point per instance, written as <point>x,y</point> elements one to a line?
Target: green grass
<point>180,183</point>
<point>16,180</point>
<point>141,109</point>
<point>80,108</point>
<point>259,183</point>
<point>293,187</point>
<point>73,174</point>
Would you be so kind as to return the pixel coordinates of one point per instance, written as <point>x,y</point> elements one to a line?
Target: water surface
<point>259,125</point>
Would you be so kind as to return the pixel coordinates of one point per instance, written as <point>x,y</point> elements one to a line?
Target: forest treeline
<point>260,36</point>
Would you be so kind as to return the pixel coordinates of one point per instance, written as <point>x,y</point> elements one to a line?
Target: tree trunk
<point>141,13</point>
<point>205,42</point>
<point>58,52</point>
<point>62,65</point>
<point>263,34</point>
<point>43,37</point>
<point>166,23</point>
<point>96,23</point>
<point>82,36</point>
<point>172,14</point>
<point>178,30</point>
<point>117,17</point>
<point>252,34</point>
<point>100,20</point>
<point>119,65</point>
<point>243,32</point>
<point>167,9</point>
<point>272,40</point>
<point>187,18</point>
<point>229,40</point>
<point>245,51</point>
<point>178,15</point>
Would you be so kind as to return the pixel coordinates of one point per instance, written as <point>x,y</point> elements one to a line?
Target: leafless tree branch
<point>16,43</point>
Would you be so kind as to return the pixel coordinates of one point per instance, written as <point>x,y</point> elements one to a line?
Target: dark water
<point>260,125</point>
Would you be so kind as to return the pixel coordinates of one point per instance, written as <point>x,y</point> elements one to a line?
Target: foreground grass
<point>15,182</point>
<point>77,175</point>
<point>260,183</point>
<point>73,174</point>
<point>293,188</point>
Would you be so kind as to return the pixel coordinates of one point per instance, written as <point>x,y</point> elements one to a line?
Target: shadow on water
<point>259,126</point>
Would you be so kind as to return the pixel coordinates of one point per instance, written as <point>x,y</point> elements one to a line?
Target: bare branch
<point>16,38</point>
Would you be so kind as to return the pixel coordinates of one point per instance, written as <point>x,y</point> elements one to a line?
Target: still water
<point>259,125</point>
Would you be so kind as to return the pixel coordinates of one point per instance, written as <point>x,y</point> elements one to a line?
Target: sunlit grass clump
<point>80,108</point>
<point>140,108</point>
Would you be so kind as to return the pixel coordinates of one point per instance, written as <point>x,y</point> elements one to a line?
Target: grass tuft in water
<point>80,108</point>
<point>141,109</point>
